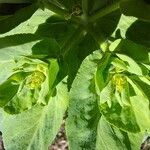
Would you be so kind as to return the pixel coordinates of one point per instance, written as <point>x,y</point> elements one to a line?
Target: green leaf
<point>4,17</point>
<point>8,57</point>
<point>136,139</point>
<point>19,16</point>
<point>144,85</point>
<point>110,137</point>
<point>124,23</point>
<point>30,25</point>
<point>102,73</point>
<point>139,33</point>
<point>57,28</point>
<point>118,63</point>
<point>7,91</point>
<point>106,94</point>
<point>137,89</point>
<point>133,50</point>
<point>132,66</point>
<point>125,95</point>
<point>105,26</point>
<point>36,129</point>
<point>140,106</point>
<point>78,53</point>
<point>53,71</point>
<point>7,70</point>
<point>139,9</point>
<point>83,113</point>
<point>24,33</point>
<point>17,39</point>
<point>48,47</point>
<point>122,117</point>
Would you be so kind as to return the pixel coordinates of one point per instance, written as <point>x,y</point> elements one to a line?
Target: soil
<point>1,142</point>
<point>60,142</point>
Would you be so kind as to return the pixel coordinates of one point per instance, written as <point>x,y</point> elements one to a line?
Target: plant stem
<point>85,7</point>
<point>105,11</point>
<point>59,11</point>
<point>54,8</point>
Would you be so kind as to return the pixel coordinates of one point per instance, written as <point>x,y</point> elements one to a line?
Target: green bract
<point>28,85</point>
<point>87,59</point>
<point>120,88</point>
<point>119,103</point>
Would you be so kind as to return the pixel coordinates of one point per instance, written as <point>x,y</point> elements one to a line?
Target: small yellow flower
<point>35,79</point>
<point>119,81</point>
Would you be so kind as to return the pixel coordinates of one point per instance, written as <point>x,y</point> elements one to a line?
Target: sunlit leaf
<point>36,129</point>
<point>83,109</point>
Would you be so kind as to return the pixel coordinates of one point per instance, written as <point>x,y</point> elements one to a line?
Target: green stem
<point>54,8</point>
<point>59,11</point>
<point>85,7</point>
<point>73,39</point>
<point>105,11</point>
